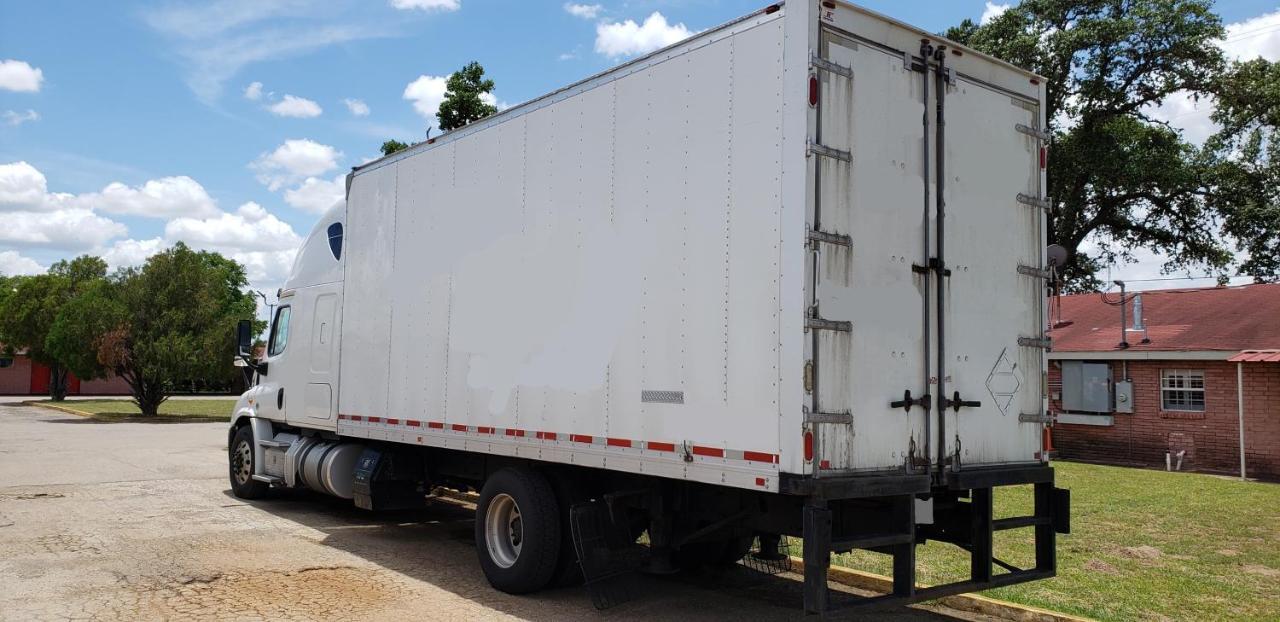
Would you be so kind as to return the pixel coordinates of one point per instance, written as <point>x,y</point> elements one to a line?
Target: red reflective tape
<point>413,424</point>
<point>435,425</point>
<point>759,456</point>
<point>374,419</point>
<point>519,433</point>
<point>342,416</point>
<point>580,438</point>
<point>661,446</point>
<point>547,436</point>
<point>355,417</point>
<point>825,464</point>
<point>617,442</point>
<point>484,430</point>
<point>759,481</point>
<point>458,427</point>
<point>713,452</point>
<point>393,422</point>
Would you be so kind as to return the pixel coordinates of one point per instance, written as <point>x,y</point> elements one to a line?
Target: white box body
<point>618,274</point>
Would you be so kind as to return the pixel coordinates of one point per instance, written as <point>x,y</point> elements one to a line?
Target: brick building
<point>19,375</point>
<point>1198,361</point>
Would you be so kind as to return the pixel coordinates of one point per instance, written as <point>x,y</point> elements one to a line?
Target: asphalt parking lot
<point>128,521</point>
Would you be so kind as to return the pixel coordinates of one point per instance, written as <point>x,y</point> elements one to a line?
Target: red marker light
<point>808,446</point>
<point>813,90</point>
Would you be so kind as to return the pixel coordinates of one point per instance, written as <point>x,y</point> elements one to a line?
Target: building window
<point>279,332</point>
<point>1182,389</point>
<point>6,361</point>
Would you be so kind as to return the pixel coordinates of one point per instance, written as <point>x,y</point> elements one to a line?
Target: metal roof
<point>1257,356</point>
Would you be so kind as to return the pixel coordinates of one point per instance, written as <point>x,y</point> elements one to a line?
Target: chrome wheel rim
<point>503,530</point>
<point>242,463</point>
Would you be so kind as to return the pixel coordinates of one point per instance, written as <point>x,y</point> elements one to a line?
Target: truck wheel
<point>518,531</point>
<point>240,457</point>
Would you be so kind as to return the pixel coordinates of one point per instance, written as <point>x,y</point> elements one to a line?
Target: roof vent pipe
<point>1139,323</point>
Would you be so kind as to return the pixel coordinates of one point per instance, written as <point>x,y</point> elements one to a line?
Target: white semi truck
<point>783,278</point>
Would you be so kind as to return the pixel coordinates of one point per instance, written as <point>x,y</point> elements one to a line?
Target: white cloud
<point>426,93</point>
<point>130,252</point>
<point>66,228</point>
<point>250,228</point>
<point>216,39</point>
<point>22,186</point>
<point>294,106</point>
<point>293,161</point>
<point>317,195</point>
<point>619,39</point>
<point>992,11</point>
<point>13,263</point>
<point>1256,37</point>
<point>15,118</point>
<point>427,5</point>
<point>1253,38</point>
<point>357,107</point>
<point>585,11</point>
<point>567,56</point>
<point>16,75</point>
<point>167,197</point>
<point>253,92</point>
<point>255,238</point>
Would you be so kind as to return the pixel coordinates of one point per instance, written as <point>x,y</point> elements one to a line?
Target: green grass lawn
<point>1144,545</point>
<point>211,409</point>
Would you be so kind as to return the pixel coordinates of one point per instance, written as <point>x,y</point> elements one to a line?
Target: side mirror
<point>244,337</point>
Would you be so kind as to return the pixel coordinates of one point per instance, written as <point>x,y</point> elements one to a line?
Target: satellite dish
<point>1057,255</point>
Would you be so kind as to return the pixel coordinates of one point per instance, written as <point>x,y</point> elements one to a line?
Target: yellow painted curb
<point>65,409</point>
<point>972,603</point>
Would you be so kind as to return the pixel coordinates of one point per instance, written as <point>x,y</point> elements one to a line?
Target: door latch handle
<point>956,403</point>
<point>907,402</point>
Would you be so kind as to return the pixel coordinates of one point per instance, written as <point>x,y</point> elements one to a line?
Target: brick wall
<point>16,378</point>
<point>1210,438</point>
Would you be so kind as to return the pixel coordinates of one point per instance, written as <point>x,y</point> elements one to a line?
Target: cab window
<point>279,332</point>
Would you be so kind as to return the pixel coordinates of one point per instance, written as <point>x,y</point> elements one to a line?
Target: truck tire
<point>240,456</point>
<point>518,531</point>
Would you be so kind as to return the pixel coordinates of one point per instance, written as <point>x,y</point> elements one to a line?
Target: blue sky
<point>135,115</point>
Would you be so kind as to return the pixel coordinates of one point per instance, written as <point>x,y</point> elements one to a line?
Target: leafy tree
<point>392,146</point>
<point>33,305</point>
<point>1118,176</point>
<point>462,98</point>
<point>168,323</point>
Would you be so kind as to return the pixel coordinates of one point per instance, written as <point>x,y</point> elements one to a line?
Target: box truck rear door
<point>868,232</point>
<point>993,309</point>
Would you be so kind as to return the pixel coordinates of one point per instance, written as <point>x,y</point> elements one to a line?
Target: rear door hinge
<point>1030,201</point>
<point>819,417</point>
<point>1033,132</point>
<point>830,238</point>
<point>829,152</point>
<point>823,64</point>
<point>817,323</point>
<point>1040,273</point>
<point>1035,342</point>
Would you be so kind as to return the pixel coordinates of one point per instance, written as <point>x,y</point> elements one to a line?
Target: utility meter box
<point>1124,396</point>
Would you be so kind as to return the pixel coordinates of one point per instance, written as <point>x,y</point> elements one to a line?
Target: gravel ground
<point>129,521</point>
